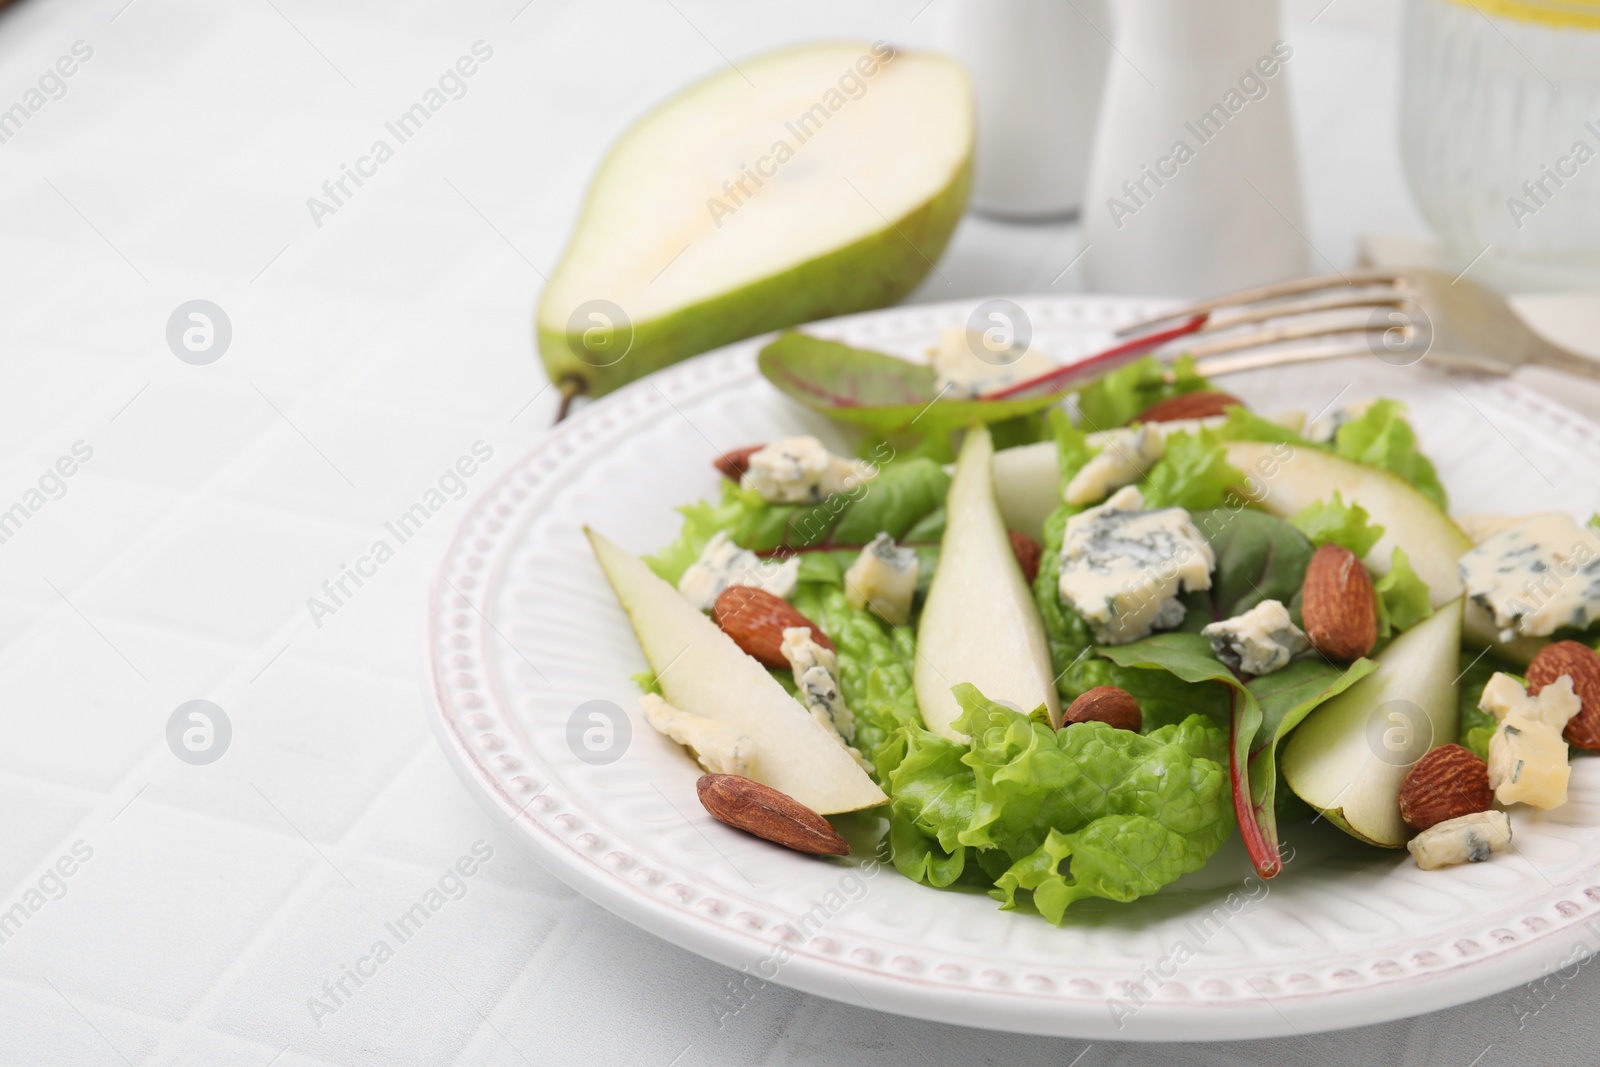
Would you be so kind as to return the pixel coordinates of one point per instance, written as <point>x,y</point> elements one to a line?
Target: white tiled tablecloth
<point>208,906</point>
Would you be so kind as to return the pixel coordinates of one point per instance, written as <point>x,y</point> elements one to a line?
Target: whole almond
<point>1338,607</point>
<point>1582,664</point>
<point>746,804</point>
<point>1028,552</point>
<point>1446,783</point>
<point>756,619</point>
<point>733,464</point>
<point>1188,406</point>
<point>1107,704</point>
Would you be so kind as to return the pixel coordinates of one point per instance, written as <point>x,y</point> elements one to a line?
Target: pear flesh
<point>1284,480</point>
<point>1349,757</point>
<point>702,671</point>
<point>979,623</point>
<point>807,183</point>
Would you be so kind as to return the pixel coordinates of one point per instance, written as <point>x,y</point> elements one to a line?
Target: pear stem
<point>571,387</point>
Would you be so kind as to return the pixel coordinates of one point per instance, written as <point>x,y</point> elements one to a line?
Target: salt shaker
<point>1038,68</point>
<point>1194,187</point>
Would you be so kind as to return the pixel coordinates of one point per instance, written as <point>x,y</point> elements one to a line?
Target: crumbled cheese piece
<point>1465,839</point>
<point>963,374</point>
<point>1122,568</point>
<point>1260,641</point>
<point>1125,456</point>
<point>1326,426</point>
<point>1527,756</point>
<point>816,676</point>
<point>801,470</point>
<point>883,578</point>
<point>723,563</point>
<point>1536,577</point>
<point>718,747</point>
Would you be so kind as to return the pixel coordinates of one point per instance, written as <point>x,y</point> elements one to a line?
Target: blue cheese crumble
<point>1123,568</point>
<point>1259,641</point>
<point>723,563</point>
<point>801,470</point>
<point>1537,577</point>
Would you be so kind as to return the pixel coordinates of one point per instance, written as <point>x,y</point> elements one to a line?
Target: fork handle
<point>1562,359</point>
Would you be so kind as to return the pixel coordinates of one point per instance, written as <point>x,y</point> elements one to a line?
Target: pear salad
<point>1065,652</point>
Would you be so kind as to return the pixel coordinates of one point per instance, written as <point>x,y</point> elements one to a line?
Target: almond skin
<point>746,804</point>
<point>1582,664</point>
<point>1337,605</point>
<point>1028,552</point>
<point>1189,406</point>
<point>756,619</point>
<point>733,464</point>
<point>1107,704</point>
<point>1446,783</point>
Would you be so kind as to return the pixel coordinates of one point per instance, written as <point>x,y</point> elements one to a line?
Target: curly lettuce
<point>1118,397</point>
<point>1333,522</point>
<point>1049,817</point>
<point>1382,438</point>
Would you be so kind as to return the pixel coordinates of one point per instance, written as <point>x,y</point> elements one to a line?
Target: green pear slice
<point>1348,758</point>
<point>806,183</point>
<point>701,670</point>
<point>1284,483</point>
<point>979,623</point>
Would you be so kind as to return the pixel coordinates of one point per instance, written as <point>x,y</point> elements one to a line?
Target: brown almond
<point>1338,606</point>
<point>1189,406</point>
<point>1582,664</point>
<point>733,464</point>
<point>1028,553</point>
<point>1107,704</point>
<point>756,619</point>
<point>746,804</point>
<point>1446,783</point>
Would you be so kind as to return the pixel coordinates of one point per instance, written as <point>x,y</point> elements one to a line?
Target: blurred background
<point>165,158</point>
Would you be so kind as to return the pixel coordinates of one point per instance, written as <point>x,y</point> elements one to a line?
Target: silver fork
<point>1402,317</point>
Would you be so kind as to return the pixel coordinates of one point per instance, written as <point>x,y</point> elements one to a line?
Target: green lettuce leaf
<point>1258,558</point>
<point>1118,397</point>
<point>1245,425</point>
<point>1403,599</point>
<point>1193,473</point>
<point>1132,813</point>
<point>1333,522</point>
<point>1382,437</point>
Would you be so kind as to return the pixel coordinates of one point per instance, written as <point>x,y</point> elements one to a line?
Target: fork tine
<point>1332,302</point>
<point>1218,366</point>
<point>1271,335</point>
<point>1265,292</point>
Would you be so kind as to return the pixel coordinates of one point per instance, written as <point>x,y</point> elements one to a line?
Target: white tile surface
<point>376,348</point>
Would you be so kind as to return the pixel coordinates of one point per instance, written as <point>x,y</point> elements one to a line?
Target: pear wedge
<point>979,623</point>
<point>1284,480</point>
<point>810,182</point>
<point>701,670</point>
<point>1348,758</point>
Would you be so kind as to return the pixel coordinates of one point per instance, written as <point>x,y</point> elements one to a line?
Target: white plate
<point>522,630</point>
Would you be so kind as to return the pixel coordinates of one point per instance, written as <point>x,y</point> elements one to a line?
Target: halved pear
<point>1284,482</point>
<point>701,670</point>
<point>979,623</point>
<point>806,183</point>
<point>1027,482</point>
<point>1348,758</point>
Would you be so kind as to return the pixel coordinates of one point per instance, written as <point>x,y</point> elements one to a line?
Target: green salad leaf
<point>1258,558</point>
<point>1264,711</point>
<point>1333,522</point>
<point>880,392</point>
<point>1193,473</point>
<point>1382,438</point>
<point>1117,398</point>
<point>1058,815</point>
<point>1243,424</point>
<point>1403,599</point>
